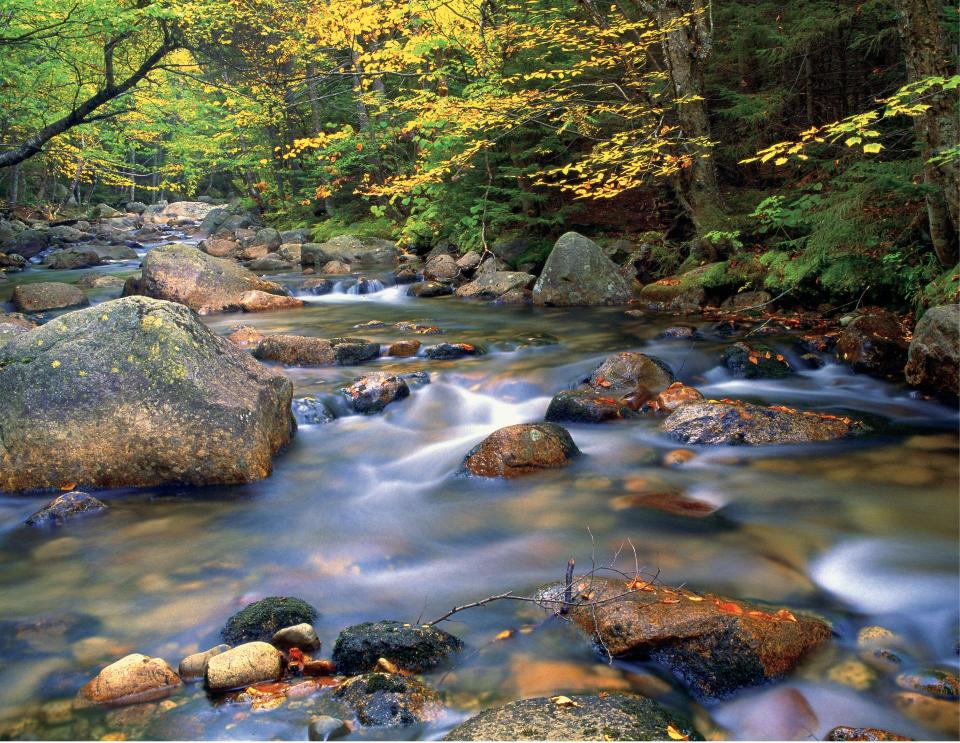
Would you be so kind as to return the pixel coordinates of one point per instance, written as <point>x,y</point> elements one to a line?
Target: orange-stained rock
<point>521,449</point>
<point>258,301</point>
<point>402,349</point>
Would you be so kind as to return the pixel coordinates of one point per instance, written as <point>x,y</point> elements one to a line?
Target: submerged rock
<point>755,362</point>
<point>520,450</point>
<point>403,349</point>
<point>298,350</point>
<point>136,392</point>
<point>578,273</point>
<point>327,728</point>
<point>586,406</point>
<point>245,336</point>
<point>934,357</point>
<point>258,301</point>
<point>933,682</point>
<point>616,716</point>
<point>47,295</point>
<point>65,507</point>
<point>99,281</point>
<point>713,422</point>
<point>243,665</point>
<point>262,619</point>
<point>381,700</point>
<point>181,273</point>
<point>135,678</point>
<point>873,344</point>
<point>625,371</point>
<point>373,392</point>
<point>845,733</point>
<point>449,351</point>
<point>412,648</point>
<point>311,411</point>
<point>715,645</point>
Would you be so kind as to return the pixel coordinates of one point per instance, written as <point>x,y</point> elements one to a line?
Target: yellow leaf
<point>872,147</point>
<point>562,701</point>
<point>503,635</point>
<point>676,734</point>
<point>781,161</point>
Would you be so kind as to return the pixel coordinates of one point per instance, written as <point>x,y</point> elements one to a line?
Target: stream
<point>364,519</point>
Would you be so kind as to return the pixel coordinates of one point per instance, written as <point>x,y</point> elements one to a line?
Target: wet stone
<point>302,636</point>
<point>413,648</point>
<point>755,362</point>
<point>327,728</point>
<point>194,667</point>
<point>386,700</point>
<point>246,664</point>
<point>449,351</point>
<point>373,392</point>
<point>934,682</point>
<point>66,507</point>
<point>680,333</point>
<point>616,716</point>
<point>522,449</point>
<point>586,406</point>
<point>404,349</point>
<point>430,290</point>
<point>264,618</point>
<point>845,733</point>
<point>133,679</point>
<point>311,411</point>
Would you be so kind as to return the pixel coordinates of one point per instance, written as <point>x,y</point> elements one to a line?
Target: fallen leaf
<point>637,584</point>
<point>68,486</point>
<point>786,615</point>
<point>562,701</point>
<point>388,666</point>
<point>676,734</point>
<point>503,635</point>
<point>729,607</point>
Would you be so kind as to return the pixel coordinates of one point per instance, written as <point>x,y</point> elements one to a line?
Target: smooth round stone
<point>327,728</point>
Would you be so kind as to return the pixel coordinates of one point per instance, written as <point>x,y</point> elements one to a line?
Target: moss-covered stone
<point>615,716</point>
<point>755,362</point>
<point>382,700</point>
<point>262,619</point>
<point>411,647</point>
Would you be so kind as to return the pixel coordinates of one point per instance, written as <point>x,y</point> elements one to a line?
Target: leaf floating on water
<point>68,486</point>
<point>786,615</point>
<point>728,607</point>
<point>562,701</point>
<point>507,633</point>
<point>675,734</point>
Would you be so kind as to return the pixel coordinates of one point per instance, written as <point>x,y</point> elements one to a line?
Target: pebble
<point>302,636</point>
<point>853,673</point>
<point>194,667</point>
<point>327,728</point>
<point>931,682</point>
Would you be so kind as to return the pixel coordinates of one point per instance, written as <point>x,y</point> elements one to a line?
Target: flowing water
<point>364,518</point>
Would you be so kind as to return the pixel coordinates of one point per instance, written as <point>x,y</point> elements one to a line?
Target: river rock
<point>520,450</point>
<point>578,273</point>
<point>609,716</point>
<point>934,357</point>
<point>311,411</point>
<point>381,700</point>
<point>29,243</point>
<point>942,715</point>
<point>298,350</point>
<point>99,281</point>
<point>373,392</point>
<point>327,728</point>
<point>317,286</point>
<point>245,336</point>
<point>270,263</point>
<point>135,678</point>
<point>413,648</point>
<point>442,267</point>
<point>181,273</point>
<point>105,211</point>
<point>873,344</point>
<point>449,351</point>
<point>267,237</point>
<point>469,262</point>
<point>194,667</point>
<point>682,293</point>
<point>243,665</point>
<point>713,422</point>
<point>933,682</point>
<point>585,405</point>
<point>626,371</point>
<point>136,392</point>
<point>429,290</point>
<point>262,619</point>
<point>715,645</point>
<point>351,249</point>
<point>47,295</point>
<point>11,262</point>
<point>495,285</point>
<point>335,268</point>
<point>71,258</point>
<point>114,252</point>
<point>674,396</point>
<point>403,349</point>
<point>290,252</point>
<point>755,362</point>
<point>220,247</point>
<point>747,300</point>
<point>65,507</point>
<point>258,301</point>
<point>845,733</point>
<point>254,252</point>
<point>194,211</point>
<point>302,636</point>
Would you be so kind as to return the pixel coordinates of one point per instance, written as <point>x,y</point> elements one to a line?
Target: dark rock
<point>448,351</point>
<point>213,220</point>
<point>298,350</point>
<point>744,423</point>
<point>578,273</point>
<point>136,392</point>
<point>381,700</point>
<point>934,358</point>
<point>29,243</point>
<point>181,273</point>
<point>521,449</point>
<point>412,648</point>
<point>715,645</point>
<point>317,286</point>
<point>495,285</point>
<point>680,333</point>
<point>755,362</point>
<point>844,733</point>
<point>47,295</point>
<point>268,237</point>
<point>429,290</point>
<point>747,300</point>
<point>469,262</point>
<point>585,405</point>
<point>270,263</point>
<point>65,507</point>
<point>405,276</point>
<point>873,343</point>
<point>373,392</point>
<point>135,207</point>
<point>114,252</point>
<point>628,370</point>
<point>262,619</point>
<point>441,267</point>
<point>72,258</point>
<point>682,293</point>
<point>12,262</point>
<point>616,716</point>
<point>310,410</point>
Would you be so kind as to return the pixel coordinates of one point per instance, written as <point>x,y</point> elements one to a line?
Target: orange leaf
<point>68,486</point>
<point>669,601</point>
<point>639,585</point>
<point>729,607</point>
<point>503,635</point>
<point>676,734</point>
<point>787,615</point>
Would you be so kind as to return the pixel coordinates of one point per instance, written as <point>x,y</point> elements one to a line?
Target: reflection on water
<point>363,519</point>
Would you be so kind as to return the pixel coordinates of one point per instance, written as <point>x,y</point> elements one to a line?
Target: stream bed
<point>364,519</point>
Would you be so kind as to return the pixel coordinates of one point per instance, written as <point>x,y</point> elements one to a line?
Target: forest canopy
<point>809,145</point>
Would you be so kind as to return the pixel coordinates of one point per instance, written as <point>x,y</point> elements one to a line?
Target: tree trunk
<point>14,195</point>
<point>926,54</point>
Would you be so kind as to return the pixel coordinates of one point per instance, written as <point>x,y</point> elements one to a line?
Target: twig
<point>567,587</point>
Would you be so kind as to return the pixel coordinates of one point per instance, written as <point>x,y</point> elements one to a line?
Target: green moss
<point>385,683</point>
<point>262,619</point>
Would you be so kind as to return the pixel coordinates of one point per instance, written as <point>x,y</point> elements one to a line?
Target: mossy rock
<point>755,362</point>
<point>413,648</point>
<point>615,716</point>
<point>262,619</point>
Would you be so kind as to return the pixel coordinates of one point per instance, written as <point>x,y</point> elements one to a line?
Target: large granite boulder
<point>719,422</point>
<point>350,249</point>
<point>136,392</point>
<point>71,258</point>
<point>578,273</point>
<point>606,716</point>
<point>933,362</point>
<point>495,284</point>
<point>181,273</point>
<point>714,644</point>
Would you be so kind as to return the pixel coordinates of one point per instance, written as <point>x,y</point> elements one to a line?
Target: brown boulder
<point>245,336</point>
<point>874,344</point>
<point>258,301</point>
<point>403,349</point>
<point>220,248</point>
<point>47,295</point>
<point>625,371</point>
<point>298,350</point>
<point>335,268</point>
<point>521,449</point>
<point>135,678</point>
<point>715,645</point>
<point>934,358</point>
